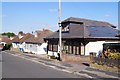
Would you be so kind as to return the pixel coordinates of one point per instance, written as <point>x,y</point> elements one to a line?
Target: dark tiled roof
<point>90,29</point>
<point>88,22</point>
<point>40,38</point>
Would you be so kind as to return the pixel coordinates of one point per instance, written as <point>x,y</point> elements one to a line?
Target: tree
<point>9,34</point>
<point>21,32</point>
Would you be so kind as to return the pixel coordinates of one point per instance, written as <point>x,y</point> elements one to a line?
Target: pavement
<point>70,67</point>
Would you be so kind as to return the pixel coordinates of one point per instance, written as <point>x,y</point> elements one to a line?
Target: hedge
<point>7,46</point>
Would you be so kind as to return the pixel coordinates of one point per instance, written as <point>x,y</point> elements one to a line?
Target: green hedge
<point>7,46</point>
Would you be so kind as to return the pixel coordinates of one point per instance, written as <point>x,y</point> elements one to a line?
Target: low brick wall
<point>75,58</point>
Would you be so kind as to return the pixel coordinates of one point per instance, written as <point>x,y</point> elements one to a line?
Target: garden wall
<point>75,58</point>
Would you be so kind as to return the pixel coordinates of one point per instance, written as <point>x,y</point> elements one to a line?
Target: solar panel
<point>102,31</point>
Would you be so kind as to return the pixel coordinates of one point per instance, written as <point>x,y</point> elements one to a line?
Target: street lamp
<point>60,28</point>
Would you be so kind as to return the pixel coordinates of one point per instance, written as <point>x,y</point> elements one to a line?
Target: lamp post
<point>60,28</point>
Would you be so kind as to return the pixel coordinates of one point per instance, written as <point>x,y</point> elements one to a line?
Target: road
<point>0,65</point>
<point>16,67</point>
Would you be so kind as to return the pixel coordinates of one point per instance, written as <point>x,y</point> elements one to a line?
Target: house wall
<point>3,43</point>
<point>42,49</point>
<point>14,45</point>
<point>69,47</point>
<point>96,47</point>
<point>51,53</point>
<point>53,48</point>
<point>35,48</point>
<point>23,45</point>
<point>77,47</point>
<point>73,47</point>
<point>27,47</point>
<point>18,45</point>
<point>75,58</point>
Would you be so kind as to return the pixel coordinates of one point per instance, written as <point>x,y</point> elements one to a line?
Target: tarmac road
<point>16,67</point>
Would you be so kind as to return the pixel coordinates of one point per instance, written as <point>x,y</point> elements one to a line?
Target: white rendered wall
<point>14,45</point>
<point>95,46</point>
<point>51,53</point>
<point>3,43</point>
<point>34,48</point>
<point>26,47</point>
<point>37,49</point>
<point>42,49</point>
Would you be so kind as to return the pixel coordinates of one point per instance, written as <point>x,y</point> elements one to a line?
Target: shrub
<point>68,52</point>
<point>52,57</point>
<point>114,55</point>
<point>7,46</point>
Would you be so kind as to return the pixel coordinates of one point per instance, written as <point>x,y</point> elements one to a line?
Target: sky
<point>31,16</point>
<point>62,0</point>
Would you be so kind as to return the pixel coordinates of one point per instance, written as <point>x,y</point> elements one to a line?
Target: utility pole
<point>60,29</point>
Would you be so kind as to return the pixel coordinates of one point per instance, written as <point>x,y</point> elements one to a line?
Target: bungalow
<point>18,41</point>
<point>82,36</point>
<point>4,40</point>
<point>36,43</point>
<point>15,42</point>
<point>22,41</point>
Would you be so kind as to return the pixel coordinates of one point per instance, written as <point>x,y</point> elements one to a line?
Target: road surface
<point>0,65</point>
<point>16,67</point>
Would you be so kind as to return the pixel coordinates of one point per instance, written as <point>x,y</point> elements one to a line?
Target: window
<point>55,47</point>
<point>66,29</point>
<point>82,49</point>
<point>50,47</point>
<point>74,50</point>
<point>77,51</point>
<point>72,47</point>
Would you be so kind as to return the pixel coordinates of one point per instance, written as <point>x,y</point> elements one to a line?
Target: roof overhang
<point>87,39</point>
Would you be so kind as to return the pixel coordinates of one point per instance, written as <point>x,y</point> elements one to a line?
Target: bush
<point>7,46</point>
<point>52,57</point>
<point>68,52</point>
<point>114,55</point>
